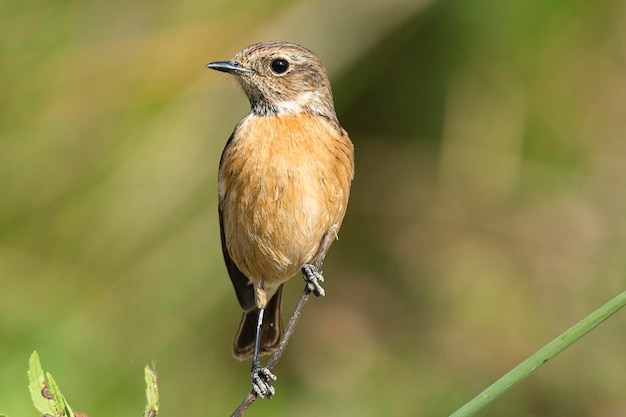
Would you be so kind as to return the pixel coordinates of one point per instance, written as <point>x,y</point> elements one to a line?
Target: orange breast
<point>283,182</point>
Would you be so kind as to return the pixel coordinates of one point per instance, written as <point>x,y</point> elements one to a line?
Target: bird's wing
<point>243,287</point>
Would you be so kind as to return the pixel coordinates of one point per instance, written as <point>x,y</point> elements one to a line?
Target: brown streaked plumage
<point>284,182</point>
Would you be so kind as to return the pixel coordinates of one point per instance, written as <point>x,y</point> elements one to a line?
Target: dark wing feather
<point>243,287</point>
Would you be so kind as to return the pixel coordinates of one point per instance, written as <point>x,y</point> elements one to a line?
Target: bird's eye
<point>279,66</point>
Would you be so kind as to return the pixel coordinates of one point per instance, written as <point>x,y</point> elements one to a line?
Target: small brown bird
<point>283,185</point>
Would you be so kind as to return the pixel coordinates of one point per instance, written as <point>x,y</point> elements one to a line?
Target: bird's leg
<point>261,377</point>
<point>312,272</point>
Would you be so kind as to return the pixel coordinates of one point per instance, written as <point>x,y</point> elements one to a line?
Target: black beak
<point>230,67</point>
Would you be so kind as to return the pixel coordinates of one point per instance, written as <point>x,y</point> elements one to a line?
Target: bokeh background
<point>488,211</point>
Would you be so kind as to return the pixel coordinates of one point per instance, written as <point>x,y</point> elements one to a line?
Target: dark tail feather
<point>271,330</point>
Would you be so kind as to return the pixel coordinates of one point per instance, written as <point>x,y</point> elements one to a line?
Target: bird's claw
<point>313,277</point>
<point>262,382</point>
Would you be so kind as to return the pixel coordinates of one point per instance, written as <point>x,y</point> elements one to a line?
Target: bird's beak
<point>230,67</point>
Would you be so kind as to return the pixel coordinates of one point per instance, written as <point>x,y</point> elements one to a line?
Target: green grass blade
<point>152,392</point>
<point>542,356</point>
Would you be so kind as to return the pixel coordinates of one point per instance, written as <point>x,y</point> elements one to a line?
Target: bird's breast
<point>283,182</point>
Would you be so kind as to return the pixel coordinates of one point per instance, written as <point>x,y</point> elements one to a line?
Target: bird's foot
<point>313,277</point>
<point>262,381</point>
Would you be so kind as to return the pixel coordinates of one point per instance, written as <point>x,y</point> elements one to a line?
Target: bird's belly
<point>273,225</point>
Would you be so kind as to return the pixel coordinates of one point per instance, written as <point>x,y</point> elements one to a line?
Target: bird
<point>283,186</point>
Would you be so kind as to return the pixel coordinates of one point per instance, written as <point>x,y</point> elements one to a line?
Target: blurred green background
<point>488,211</point>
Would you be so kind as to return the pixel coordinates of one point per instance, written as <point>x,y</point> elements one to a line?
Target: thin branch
<point>330,235</point>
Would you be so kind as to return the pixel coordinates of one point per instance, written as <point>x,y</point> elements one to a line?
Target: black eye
<point>279,66</point>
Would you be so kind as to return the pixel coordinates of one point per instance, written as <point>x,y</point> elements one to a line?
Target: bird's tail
<point>271,330</point>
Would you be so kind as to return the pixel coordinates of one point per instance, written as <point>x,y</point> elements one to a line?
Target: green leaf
<point>45,392</point>
<point>39,389</point>
<point>58,397</point>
